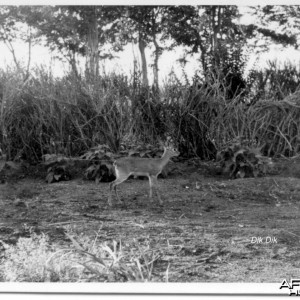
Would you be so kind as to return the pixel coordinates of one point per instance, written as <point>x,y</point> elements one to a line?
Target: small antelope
<point>150,167</point>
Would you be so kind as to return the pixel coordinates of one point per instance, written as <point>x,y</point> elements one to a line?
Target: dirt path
<point>205,231</point>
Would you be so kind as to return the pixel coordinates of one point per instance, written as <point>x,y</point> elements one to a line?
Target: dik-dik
<point>150,167</point>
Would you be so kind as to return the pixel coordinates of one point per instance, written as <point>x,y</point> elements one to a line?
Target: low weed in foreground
<point>34,259</point>
<point>27,260</point>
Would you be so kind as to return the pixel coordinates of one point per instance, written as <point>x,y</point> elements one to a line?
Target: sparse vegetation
<point>33,259</point>
<point>202,231</point>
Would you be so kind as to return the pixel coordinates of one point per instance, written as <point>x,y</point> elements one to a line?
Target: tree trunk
<point>216,26</point>
<point>72,60</point>
<point>92,64</point>
<point>12,51</point>
<point>29,53</point>
<point>142,47</point>
<point>157,53</point>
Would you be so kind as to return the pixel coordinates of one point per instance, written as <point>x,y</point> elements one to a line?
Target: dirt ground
<point>210,228</point>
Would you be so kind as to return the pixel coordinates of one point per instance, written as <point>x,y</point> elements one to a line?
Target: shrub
<point>26,260</point>
<point>58,167</point>
<point>100,166</point>
<point>33,259</point>
<point>243,161</point>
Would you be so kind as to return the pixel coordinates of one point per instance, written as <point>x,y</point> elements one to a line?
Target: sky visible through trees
<point>123,61</point>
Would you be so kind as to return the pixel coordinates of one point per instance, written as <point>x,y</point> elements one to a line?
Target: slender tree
<point>13,27</point>
<point>147,28</point>
<point>78,31</point>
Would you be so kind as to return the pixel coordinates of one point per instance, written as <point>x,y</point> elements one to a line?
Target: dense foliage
<point>41,114</point>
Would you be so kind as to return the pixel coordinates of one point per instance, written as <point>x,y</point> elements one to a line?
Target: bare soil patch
<point>204,232</point>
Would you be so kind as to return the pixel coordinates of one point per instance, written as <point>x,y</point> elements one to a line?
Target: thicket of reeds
<point>69,115</point>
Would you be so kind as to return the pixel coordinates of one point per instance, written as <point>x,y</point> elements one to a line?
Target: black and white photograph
<point>150,149</point>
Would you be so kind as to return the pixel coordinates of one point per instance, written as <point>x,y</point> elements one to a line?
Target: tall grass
<point>62,115</point>
<point>274,82</point>
<point>69,115</point>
